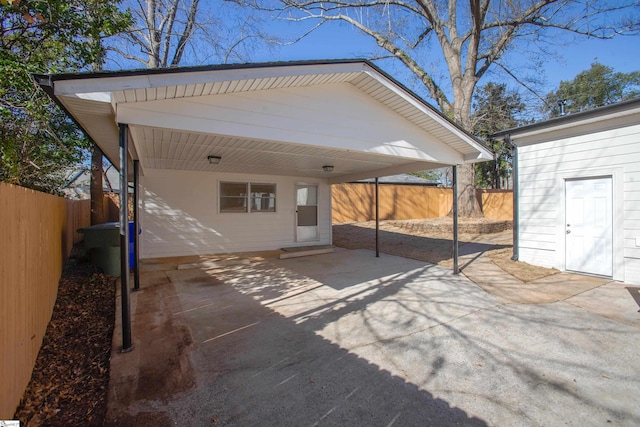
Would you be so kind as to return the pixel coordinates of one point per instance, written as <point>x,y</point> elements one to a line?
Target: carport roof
<point>255,117</point>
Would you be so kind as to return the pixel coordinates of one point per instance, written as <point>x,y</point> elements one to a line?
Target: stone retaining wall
<point>464,227</point>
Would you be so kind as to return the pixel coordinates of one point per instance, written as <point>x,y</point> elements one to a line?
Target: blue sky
<point>570,58</point>
<point>338,40</point>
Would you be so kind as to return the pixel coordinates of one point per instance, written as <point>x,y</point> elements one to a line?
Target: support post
<point>377,218</point>
<point>454,181</point>
<point>136,226</point>
<point>516,199</point>
<point>124,237</point>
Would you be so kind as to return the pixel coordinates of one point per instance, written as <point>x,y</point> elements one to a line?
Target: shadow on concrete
<point>255,366</point>
<point>350,339</point>
<point>635,294</point>
<point>427,249</point>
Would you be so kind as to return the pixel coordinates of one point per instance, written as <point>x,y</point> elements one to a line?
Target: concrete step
<point>298,251</point>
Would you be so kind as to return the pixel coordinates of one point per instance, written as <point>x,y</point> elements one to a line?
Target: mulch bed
<point>70,380</point>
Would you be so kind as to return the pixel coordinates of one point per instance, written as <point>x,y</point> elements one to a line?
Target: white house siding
<point>543,169</point>
<point>331,116</point>
<point>180,215</point>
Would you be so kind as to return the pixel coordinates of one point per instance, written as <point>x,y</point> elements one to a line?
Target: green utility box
<point>103,243</point>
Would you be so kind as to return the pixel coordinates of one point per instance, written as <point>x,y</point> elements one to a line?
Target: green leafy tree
<point>599,85</point>
<point>495,108</point>
<point>37,140</point>
<point>431,175</point>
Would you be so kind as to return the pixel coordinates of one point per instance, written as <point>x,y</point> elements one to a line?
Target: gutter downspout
<point>516,199</point>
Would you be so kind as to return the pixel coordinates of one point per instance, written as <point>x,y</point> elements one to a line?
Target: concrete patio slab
<point>614,300</point>
<point>557,287</point>
<point>350,339</point>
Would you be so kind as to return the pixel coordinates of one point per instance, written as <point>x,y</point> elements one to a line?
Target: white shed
<point>238,158</point>
<point>577,192</point>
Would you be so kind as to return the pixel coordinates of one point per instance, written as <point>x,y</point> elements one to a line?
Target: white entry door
<point>306,213</point>
<point>589,226</point>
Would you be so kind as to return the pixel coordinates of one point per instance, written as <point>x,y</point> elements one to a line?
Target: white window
<point>247,197</point>
<point>263,197</point>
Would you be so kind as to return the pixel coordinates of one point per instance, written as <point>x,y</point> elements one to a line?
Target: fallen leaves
<point>69,383</point>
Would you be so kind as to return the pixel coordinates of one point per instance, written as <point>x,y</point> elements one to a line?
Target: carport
<point>188,137</point>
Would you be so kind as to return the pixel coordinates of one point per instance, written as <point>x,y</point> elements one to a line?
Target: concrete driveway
<point>350,339</point>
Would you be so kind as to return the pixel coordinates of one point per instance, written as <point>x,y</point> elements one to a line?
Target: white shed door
<point>589,226</point>
<point>306,213</point>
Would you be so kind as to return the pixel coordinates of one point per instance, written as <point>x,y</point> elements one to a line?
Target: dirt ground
<point>430,240</point>
<point>69,383</point>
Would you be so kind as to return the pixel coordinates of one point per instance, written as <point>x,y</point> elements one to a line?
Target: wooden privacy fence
<point>38,232</point>
<point>355,202</point>
<point>496,204</point>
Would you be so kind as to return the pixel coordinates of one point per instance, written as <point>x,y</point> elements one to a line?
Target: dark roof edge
<point>414,184</point>
<point>569,118</point>
<point>198,68</point>
<point>45,81</point>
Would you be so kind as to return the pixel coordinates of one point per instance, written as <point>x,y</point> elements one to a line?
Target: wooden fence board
<point>355,202</point>
<point>496,204</point>
<point>37,233</point>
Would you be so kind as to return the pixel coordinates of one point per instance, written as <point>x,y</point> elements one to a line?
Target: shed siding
<point>544,167</point>
<point>180,215</point>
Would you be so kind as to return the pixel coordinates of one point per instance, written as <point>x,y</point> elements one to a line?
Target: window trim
<point>248,199</point>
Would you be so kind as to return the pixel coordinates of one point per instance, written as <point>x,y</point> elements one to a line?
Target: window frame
<point>261,198</point>
<point>248,197</point>
<point>222,197</point>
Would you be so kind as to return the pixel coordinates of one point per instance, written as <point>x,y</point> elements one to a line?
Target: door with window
<point>306,213</point>
<point>589,226</point>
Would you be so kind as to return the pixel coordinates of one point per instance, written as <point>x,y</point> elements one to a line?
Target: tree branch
<point>520,82</point>
<point>186,34</point>
<point>167,40</point>
<point>126,55</point>
<point>434,90</point>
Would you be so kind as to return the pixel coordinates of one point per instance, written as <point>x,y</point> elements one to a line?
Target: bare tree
<point>163,31</point>
<point>470,37</point>
<point>160,32</point>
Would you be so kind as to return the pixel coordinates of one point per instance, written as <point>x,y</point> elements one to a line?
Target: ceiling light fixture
<point>327,168</point>
<point>214,160</point>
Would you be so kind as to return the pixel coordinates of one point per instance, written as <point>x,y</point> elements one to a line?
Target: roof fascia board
<point>477,157</point>
<point>573,128</point>
<point>413,99</point>
<point>393,170</point>
<point>46,82</point>
<point>601,114</point>
<point>202,68</point>
<point>117,82</point>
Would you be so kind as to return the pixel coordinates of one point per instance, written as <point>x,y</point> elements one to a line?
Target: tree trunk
<point>97,194</point>
<point>468,205</point>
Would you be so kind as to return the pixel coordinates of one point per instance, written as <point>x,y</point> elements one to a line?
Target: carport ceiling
<point>277,119</point>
